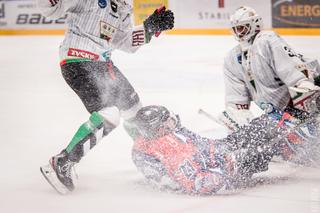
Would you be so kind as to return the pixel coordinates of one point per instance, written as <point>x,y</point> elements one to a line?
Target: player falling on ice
<point>95,29</point>
<point>173,157</point>
<point>263,68</point>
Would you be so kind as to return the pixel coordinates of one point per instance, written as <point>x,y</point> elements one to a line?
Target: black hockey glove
<point>160,20</point>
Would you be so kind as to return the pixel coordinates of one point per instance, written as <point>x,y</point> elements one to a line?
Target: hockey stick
<point>210,117</point>
<point>233,125</point>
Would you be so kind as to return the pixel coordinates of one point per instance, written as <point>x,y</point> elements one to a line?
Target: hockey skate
<point>60,173</point>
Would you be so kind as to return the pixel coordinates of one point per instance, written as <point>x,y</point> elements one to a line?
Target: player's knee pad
<point>111,115</point>
<point>131,112</point>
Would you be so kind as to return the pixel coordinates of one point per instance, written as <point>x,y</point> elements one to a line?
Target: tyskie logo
<point>82,54</point>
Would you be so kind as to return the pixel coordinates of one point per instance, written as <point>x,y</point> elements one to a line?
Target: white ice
<point>40,113</point>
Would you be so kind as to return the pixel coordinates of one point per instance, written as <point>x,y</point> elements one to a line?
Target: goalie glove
<point>305,86</point>
<point>233,119</point>
<point>305,96</point>
<point>160,20</point>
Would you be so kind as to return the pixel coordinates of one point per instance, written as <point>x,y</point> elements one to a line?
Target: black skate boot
<point>60,173</point>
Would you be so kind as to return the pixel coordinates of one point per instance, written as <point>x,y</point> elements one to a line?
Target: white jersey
<point>94,30</point>
<point>263,73</point>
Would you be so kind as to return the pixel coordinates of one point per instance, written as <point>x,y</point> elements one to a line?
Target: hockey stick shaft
<point>209,116</point>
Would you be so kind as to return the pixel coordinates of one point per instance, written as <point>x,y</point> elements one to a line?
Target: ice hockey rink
<point>40,113</point>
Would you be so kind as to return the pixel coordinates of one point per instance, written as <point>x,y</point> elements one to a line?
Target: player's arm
<point>289,66</point>
<point>237,99</point>
<point>133,37</point>
<point>54,8</point>
<point>148,165</point>
<point>153,170</point>
<point>236,92</point>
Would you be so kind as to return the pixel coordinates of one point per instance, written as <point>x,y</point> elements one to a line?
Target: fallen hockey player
<point>172,156</point>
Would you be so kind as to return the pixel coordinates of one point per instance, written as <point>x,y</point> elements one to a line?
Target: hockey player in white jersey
<point>95,29</point>
<point>264,69</point>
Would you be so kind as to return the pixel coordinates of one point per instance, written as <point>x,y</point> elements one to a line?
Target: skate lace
<point>68,169</point>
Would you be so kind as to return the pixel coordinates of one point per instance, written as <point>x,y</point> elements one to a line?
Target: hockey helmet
<point>245,23</point>
<point>156,121</point>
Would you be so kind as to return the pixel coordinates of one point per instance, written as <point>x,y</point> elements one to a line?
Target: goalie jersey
<point>265,72</point>
<point>95,28</point>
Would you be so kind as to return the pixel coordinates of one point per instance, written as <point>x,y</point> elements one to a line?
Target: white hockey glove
<point>305,86</point>
<point>233,119</point>
<point>304,96</point>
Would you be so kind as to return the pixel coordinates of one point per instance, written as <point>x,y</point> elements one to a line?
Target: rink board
<point>296,17</point>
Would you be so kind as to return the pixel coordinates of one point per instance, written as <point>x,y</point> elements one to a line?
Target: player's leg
<point>300,133</point>
<point>107,95</point>
<point>98,90</point>
<point>250,149</point>
<point>260,131</point>
<point>127,100</point>
<point>301,144</point>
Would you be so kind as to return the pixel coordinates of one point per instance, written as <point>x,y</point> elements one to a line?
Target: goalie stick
<point>209,116</point>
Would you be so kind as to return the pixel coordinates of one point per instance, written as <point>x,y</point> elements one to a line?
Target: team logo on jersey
<point>102,3</point>
<point>106,31</point>
<point>82,54</point>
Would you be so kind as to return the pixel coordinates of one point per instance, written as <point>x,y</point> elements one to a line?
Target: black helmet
<point>156,121</point>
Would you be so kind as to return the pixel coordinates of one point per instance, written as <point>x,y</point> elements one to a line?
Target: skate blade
<point>50,175</point>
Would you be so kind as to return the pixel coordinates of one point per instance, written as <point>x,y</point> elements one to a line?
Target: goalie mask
<point>245,23</point>
<point>156,121</point>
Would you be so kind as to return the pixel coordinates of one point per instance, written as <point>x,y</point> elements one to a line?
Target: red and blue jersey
<point>197,164</point>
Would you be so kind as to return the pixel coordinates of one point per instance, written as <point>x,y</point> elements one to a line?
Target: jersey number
<point>291,53</point>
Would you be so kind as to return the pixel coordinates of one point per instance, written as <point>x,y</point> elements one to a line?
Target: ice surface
<point>40,113</point>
